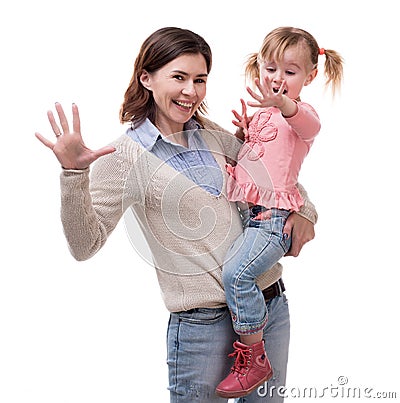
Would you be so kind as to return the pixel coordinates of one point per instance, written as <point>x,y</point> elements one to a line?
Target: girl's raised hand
<point>268,96</point>
<point>69,147</point>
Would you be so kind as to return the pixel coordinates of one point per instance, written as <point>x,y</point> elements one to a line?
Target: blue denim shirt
<point>196,161</point>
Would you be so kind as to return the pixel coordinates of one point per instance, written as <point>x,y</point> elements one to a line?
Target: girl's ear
<point>311,77</point>
<point>145,79</point>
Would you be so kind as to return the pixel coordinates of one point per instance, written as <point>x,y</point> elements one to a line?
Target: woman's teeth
<point>184,104</point>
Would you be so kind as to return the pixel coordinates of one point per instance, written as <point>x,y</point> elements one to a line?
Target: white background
<point>94,332</point>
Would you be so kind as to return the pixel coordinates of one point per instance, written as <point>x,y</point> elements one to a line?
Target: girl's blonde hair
<point>280,39</point>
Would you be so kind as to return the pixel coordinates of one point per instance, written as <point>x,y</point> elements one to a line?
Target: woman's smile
<point>178,89</point>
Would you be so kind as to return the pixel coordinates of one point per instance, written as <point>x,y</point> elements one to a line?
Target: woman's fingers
<point>76,122</point>
<point>64,129</point>
<point>53,123</point>
<point>62,118</point>
<point>44,141</point>
<point>103,151</point>
<point>76,125</point>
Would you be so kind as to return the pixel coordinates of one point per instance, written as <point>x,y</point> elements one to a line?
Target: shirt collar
<point>147,134</point>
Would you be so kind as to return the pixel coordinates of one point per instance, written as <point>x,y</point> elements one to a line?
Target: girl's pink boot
<point>250,370</point>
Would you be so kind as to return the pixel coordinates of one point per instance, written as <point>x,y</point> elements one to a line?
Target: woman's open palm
<point>69,147</point>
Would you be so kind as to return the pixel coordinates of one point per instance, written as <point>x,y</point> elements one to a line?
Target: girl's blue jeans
<point>199,342</point>
<point>255,251</point>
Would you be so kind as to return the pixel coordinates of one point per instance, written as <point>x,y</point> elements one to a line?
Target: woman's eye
<point>200,80</point>
<point>178,77</point>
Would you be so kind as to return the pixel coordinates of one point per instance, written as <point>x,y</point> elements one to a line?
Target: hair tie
<point>321,51</point>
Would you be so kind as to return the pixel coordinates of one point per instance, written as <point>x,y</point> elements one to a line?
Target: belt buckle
<point>279,287</point>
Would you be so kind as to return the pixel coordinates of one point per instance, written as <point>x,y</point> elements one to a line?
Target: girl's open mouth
<point>276,90</point>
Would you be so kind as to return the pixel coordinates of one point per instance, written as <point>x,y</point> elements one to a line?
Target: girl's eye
<point>200,80</point>
<point>178,77</point>
<point>270,69</point>
<point>290,73</point>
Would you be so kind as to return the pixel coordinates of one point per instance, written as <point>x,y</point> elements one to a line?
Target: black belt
<point>274,290</point>
<point>270,292</point>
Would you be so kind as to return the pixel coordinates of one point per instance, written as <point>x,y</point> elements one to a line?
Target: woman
<point>168,167</point>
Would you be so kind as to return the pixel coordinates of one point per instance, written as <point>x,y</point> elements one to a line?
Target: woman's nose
<point>189,89</point>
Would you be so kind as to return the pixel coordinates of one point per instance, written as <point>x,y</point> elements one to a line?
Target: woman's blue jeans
<point>255,251</point>
<point>199,342</point>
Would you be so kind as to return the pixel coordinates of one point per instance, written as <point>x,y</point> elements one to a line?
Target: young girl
<point>277,139</point>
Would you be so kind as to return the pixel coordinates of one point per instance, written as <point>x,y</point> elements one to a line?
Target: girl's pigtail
<point>333,69</point>
<point>251,69</point>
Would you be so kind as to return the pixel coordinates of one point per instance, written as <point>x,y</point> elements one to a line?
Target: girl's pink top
<point>270,159</point>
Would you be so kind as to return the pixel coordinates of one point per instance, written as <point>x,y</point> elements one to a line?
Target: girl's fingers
<point>237,116</point>
<point>254,104</point>
<point>253,94</point>
<point>257,83</point>
<point>281,88</point>
<point>244,109</point>
<point>266,89</point>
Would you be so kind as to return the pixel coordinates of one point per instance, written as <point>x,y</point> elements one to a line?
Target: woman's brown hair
<point>160,48</point>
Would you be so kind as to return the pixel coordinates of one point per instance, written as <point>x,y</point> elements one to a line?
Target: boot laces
<point>242,360</point>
